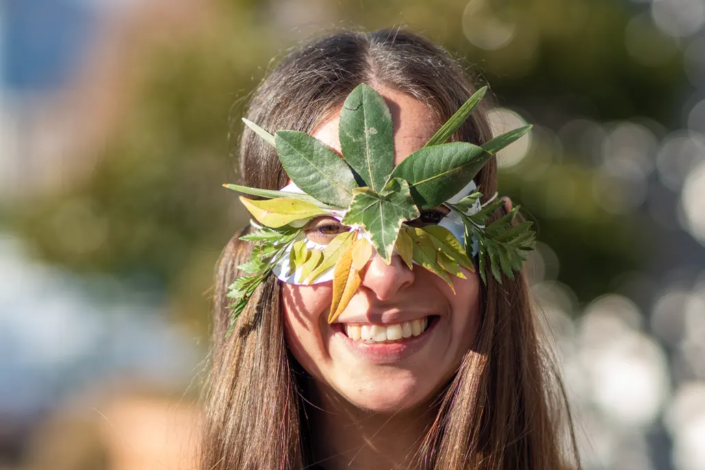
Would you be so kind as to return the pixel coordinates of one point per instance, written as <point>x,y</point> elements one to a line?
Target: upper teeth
<point>379,333</point>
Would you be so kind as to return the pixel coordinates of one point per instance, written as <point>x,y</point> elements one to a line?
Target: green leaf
<point>426,254</point>
<point>494,259</point>
<point>405,247</point>
<point>366,136</point>
<point>445,241</point>
<point>437,173</point>
<point>269,193</point>
<point>481,217</point>
<point>298,256</point>
<point>382,215</point>
<point>269,138</point>
<point>449,265</point>
<point>498,143</point>
<point>502,223</point>
<point>316,256</point>
<point>331,254</point>
<point>456,120</point>
<point>468,202</point>
<point>281,211</point>
<point>315,168</point>
<point>269,235</point>
<point>264,257</point>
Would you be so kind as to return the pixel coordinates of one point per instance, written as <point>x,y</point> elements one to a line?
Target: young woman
<point>468,385</point>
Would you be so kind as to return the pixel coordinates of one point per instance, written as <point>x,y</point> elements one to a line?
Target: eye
<point>323,230</point>
<point>429,217</point>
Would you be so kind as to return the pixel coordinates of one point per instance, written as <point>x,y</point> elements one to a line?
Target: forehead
<point>414,123</point>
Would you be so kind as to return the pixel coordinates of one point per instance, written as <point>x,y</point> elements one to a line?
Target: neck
<point>347,437</point>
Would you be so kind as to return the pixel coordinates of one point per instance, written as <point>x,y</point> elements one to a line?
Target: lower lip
<point>384,353</point>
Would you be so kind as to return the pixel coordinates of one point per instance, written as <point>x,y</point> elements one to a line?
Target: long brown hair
<point>504,407</point>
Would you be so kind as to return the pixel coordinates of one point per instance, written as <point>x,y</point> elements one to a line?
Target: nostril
<point>386,280</point>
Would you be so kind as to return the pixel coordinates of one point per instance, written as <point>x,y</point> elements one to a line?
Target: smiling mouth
<point>388,333</point>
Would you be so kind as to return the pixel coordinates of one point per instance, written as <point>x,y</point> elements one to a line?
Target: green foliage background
<point>156,192</point>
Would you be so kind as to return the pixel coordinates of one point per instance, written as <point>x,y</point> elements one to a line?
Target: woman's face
<point>388,375</point>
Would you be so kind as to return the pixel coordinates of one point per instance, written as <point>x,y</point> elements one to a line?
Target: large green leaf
<point>381,215</point>
<point>437,173</point>
<point>315,168</point>
<point>366,136</point>
<point>457,119</point>
<point>498,143</point>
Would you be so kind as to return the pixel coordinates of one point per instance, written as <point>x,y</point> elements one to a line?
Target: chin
<point>390,394</point>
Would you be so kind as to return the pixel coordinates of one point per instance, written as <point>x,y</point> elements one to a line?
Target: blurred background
<point>118,120</point>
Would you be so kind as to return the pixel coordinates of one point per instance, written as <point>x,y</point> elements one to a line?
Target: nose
<point>387,280</point>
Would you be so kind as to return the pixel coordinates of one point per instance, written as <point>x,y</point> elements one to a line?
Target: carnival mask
<point>337,212</point>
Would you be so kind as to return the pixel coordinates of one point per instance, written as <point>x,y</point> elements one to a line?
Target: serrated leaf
<point>366,136</point>
<point>346,281</point>
<point>252,266</point>
<point>266,136</point>
<point>405,247</point>
<point>502,223</point>
<point>382,215</point>
<point>494,259</point>
<point>281,211</point>
<point>481,217</point>
<point>444,240</point>
<point>456,120</point>
<point>437,173</point>
<point>268,193</point>
<point>426,254</point>
<point>504,262</point>
<point>468,202</point>
<point>331,254</point>
<point>315,168</point>
<point>267,234</point>
<point>314,259</point>
<point>501,141</point>
<point>513,233</point>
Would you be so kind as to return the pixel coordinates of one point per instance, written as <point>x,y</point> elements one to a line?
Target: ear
<point>507,203</point>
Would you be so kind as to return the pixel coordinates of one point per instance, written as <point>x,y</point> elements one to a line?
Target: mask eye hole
<point>323,230</point>
<point>429,217</point>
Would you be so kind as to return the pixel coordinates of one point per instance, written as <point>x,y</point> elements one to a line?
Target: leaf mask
<point>375,207</point>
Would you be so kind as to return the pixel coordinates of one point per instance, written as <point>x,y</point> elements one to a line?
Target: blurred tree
<point>154,208</point>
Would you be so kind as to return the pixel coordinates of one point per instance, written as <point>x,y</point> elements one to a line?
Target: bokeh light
<point>691,202</point>
<point>503,120</point>
<point>678,17</point>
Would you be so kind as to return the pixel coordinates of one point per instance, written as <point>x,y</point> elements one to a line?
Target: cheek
<point>305,313</point>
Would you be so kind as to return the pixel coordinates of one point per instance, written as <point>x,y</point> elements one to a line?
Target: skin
<point>372,414</point>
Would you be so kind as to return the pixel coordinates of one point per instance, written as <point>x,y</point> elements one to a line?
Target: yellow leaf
<point>298,255</point>
<point>361,254</point>
<point>310,264</point>
<point>405,247</point>
<point>280,211</point>
<point>425,254</point>
<point>331,254</point>
<point>449,264</point>
<point>346,280</point>
<point>445,240</point>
